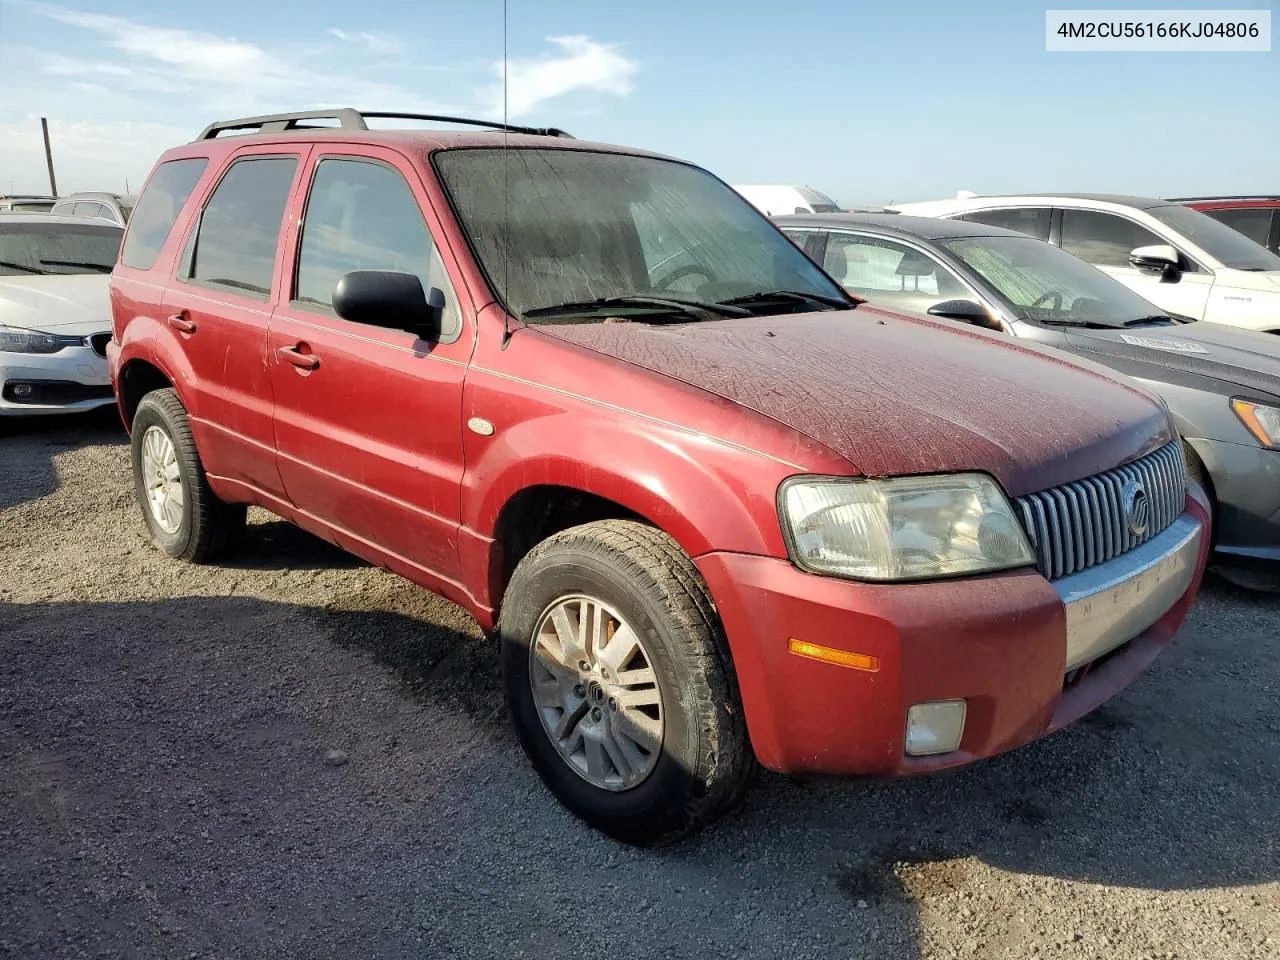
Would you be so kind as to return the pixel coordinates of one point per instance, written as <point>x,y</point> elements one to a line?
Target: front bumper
<point>1005,643</point>
<point>72,380</point>
<point>1246,486</point>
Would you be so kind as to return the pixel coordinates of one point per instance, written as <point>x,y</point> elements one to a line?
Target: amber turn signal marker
<point>1246,412</point>
<point>841,658</point>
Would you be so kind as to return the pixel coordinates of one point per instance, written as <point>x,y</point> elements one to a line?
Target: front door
<point>1106,239</point>
<point>219,305</point>
<point>368,419</point>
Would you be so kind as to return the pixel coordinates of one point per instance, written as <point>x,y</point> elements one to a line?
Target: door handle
<point>303,361</point>
<point>181,323</point>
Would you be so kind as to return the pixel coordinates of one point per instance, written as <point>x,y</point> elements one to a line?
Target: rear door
<point>368,419</point>
<point>1106,239</point>
<point>219,305</point>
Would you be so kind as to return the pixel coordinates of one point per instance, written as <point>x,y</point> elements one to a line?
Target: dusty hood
<point>76,305</point>
<point>897,395</point>
<point>1229,354</point>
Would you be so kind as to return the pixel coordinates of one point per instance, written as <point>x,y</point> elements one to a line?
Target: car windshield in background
<point>1048,285</point>
<point>1224,244</point>
<point>558,231</point>
<point>30,249</point>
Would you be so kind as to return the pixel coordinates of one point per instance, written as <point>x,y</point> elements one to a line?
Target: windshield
<point>556,227</point>
<point>27,249</point>
<point>1045,284</point>
<point>1224,244</point>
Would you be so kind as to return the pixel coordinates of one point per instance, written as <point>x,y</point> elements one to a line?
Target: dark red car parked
<point>716,514</point>
<point>1258,218</point>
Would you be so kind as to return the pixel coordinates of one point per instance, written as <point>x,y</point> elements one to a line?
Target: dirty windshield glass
<point>554,228</point>
<point>1049,285</point>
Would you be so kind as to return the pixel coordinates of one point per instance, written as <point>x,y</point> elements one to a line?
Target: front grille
<point>1079,524</point>
<point>99,343</point>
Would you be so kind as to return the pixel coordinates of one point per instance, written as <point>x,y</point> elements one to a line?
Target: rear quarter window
<point>162,200</point>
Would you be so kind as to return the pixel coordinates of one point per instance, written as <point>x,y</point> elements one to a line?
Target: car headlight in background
<point>907,528</point>
<point>18,340</point>
<point>1260,420</point>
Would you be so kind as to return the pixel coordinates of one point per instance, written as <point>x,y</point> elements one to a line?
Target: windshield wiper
<point>791,296</point>
<point>22,266</point>
<point>1063,322</point>
<point>100,267</point>
<point>692,308</point>
<point>1154,318</point>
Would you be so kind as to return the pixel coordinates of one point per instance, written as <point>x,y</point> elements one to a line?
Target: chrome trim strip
<point>1113,602</point>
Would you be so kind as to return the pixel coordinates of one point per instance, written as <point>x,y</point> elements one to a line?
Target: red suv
<point>1258,218</point>
<point>717,511</point>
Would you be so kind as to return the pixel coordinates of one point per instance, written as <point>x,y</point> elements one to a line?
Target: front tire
<point>620,683</point>
<point>183,515</point>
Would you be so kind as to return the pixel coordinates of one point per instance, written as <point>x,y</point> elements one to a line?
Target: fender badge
<point>1173,346</point>
<point>481,426</point>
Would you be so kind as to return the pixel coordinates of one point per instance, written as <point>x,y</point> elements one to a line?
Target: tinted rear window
<point>1253,222</point>
<point>158,209</point>
<point>35,249</point>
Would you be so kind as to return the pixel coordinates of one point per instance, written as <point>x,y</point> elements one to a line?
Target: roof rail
<point>1230,196</point>
<point>351,119</point>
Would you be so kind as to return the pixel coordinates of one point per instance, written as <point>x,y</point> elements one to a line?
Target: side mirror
<point>1158,258</point>
<point>966,311</point>
<point>391,299</point>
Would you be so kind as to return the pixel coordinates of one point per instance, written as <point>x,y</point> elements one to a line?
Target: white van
<point>778,200</point>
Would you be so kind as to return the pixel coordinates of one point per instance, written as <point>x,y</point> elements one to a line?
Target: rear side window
<point>1033,221</point>
<point>1253,222</point>
<point>239,231</point>
<point>361,215</point>
<point>1103,239</point>
<point>158,209</point>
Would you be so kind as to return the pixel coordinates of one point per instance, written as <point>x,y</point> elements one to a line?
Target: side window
<point>239,231</point>
<point>801,238</point>
<point>890,273</point>
<point>1253,222</point>
<point>1033,221</point>
<point>1103,239</point>
<point>361,215</point>
<point>163,199</point>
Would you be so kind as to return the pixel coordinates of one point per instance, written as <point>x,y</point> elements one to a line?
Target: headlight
<point>908,528</point>
<point>1262,421</point>
<point>17,340</point>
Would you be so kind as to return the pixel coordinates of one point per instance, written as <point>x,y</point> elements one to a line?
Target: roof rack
<point>1234,196</point>
<point>351,119</point>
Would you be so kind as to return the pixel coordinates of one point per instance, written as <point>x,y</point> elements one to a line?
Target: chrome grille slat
<point>1082,523</point>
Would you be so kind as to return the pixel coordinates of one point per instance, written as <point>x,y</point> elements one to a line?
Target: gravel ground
<point>299,755</point>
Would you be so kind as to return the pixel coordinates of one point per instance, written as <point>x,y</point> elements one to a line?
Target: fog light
<point>23,390</point>
<point>935,727</point>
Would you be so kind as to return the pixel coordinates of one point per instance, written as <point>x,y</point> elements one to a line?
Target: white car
<point>1178,258</point>
<point>55,316</point>
<point>776,200</point>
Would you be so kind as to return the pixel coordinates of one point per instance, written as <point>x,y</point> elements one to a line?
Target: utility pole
<point>48,155</point>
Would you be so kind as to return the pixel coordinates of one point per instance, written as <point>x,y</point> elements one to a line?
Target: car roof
<point>11,218</point>
<point>898,224</point>
<point>418,141</point>
<point>95,195</point>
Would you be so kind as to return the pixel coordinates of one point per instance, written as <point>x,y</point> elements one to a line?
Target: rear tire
<point>183,515</point>
<point>643,596</point>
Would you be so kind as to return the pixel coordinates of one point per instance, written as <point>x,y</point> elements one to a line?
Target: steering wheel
<point>1053,295</point>
<point>679,273</point>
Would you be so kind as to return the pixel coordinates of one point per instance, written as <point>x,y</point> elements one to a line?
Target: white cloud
<point>221,73</point>
<point>138,87</point>
<point>580,64</point>
<point>370,40</point>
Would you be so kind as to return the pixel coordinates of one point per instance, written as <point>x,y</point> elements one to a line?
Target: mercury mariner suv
<point>718,512</point>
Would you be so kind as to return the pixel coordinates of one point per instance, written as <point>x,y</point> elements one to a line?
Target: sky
<point>868,102</point>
